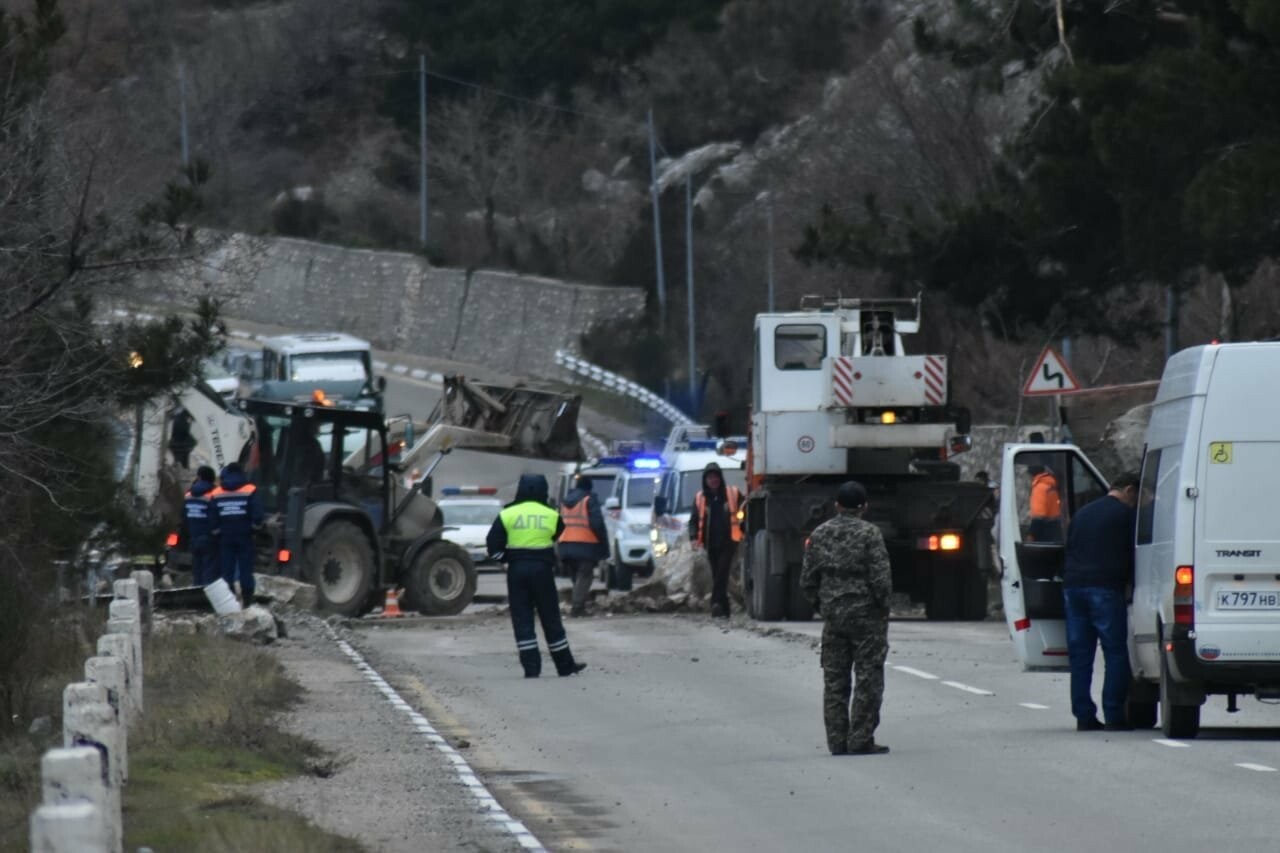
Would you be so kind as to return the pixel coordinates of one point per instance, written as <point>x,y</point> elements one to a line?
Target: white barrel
<point>222,598</point>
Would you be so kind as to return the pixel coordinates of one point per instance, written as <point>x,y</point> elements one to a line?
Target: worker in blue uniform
<point>197,514</point>
<point>237,512</point>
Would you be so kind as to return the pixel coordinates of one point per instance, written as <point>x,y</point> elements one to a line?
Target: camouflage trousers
<point>848,649</point>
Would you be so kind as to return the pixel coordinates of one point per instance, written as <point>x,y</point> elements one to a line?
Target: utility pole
<point>657,227</point>
<point>1170,322</point>
<point>182,109</point>
<point>688,275</point>
<point>769,217</point>
<point>422,150</point>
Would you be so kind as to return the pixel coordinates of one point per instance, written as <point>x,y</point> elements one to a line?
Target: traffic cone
<point>392,607</point>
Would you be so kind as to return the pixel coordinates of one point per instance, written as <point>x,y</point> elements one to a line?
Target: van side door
<point>1041,488</point>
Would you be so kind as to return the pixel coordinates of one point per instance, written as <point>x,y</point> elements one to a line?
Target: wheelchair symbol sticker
<point>1220,452</point>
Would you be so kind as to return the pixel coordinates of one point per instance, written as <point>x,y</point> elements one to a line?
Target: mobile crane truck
<point>836,398</point>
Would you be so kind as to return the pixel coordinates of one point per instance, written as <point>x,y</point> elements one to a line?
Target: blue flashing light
<point>702,444</point>
<point>612,460</point>
<point>646,463</point>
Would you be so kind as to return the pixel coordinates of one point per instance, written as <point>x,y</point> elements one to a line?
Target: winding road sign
<point>1050,376</point>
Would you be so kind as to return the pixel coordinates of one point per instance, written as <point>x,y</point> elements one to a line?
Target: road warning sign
<point>1050,376</point>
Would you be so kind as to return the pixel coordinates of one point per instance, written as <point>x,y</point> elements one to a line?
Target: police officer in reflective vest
<point>582,544</point>
<point>198,517</point>
<point>237,511</point>
<point>714,525</point>
<point>523,536</point>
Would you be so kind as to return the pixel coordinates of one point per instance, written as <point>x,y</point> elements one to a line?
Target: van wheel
<point>1176,721</point>
<point>1140,707</point>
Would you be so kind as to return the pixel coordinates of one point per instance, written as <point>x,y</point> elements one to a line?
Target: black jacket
<point>718,533</point>
<point>595,517</point>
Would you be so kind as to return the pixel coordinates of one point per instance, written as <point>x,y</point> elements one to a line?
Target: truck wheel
<point>942,604</point>
<point>441,581</point>
<point>973,593</point>
<point>768,591</point>
<point>1177,721</point>
<point>1140,707</point>
<point>798,607</point>
<point>341,564</point>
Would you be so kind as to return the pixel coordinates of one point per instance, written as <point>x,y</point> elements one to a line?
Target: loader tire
<point>441,581</point>
<point>342,565</point>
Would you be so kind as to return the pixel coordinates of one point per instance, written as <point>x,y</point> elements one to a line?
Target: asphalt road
<point>687,735</point>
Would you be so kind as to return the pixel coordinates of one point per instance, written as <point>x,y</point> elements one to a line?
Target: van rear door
<point>1041,487</point>
<point>1237,550</point>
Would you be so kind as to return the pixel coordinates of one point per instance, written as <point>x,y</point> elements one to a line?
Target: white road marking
<point>1035,706</point>
<point>918,673</point>
<point>1167,742</point>
<point>1261,768</point>
<point>466,775</point>
<point>978,691</point>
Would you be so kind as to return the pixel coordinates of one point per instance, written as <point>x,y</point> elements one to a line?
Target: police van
<point>1205,612</point>
<point>682,480</point>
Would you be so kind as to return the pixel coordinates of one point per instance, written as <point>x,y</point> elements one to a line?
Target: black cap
<point>204,472</point>
<point>851,495</point>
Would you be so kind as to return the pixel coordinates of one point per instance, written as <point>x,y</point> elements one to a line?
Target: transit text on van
<point>1229,553</point>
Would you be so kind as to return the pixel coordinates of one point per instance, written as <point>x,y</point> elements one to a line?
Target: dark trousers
<point>204,562</point>
<point>1097,614</point>
<point>583,573</point>
<point>532,587</point>
<point>721,559</point>
<point>237,564</point>
<point>857,648</point>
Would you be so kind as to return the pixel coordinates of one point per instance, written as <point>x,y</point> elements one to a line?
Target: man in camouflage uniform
<point>846,579</point>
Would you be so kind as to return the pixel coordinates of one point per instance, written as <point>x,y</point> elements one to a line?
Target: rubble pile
<point>257,623</point>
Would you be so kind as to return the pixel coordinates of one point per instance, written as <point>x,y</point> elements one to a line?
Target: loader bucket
<point>539,424</point>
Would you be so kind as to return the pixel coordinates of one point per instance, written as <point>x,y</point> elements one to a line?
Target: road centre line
<point>1035,706</point>
<point>1261,768</point>
<point>918,673</point>
<point>466,775</point>
<point>977,691</point>
<point>1164,741</point>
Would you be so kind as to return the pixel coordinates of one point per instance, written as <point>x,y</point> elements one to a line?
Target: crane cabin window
<point>799,347</point>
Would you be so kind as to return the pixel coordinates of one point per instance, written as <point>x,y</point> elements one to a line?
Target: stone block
<point>113,674</point>
<point>97,725</point>
<point>70,828</point>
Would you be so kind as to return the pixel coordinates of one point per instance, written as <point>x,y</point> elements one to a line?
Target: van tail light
<point>172,541</point>
<point>939,542</point>
<point>1184,578</point>
<point>283,555</point>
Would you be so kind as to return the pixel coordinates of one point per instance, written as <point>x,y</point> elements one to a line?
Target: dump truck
<point>836,397</point>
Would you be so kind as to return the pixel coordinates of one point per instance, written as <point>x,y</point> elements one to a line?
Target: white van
<point>1205,615</point>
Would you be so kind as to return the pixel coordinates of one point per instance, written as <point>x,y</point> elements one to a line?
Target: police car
<point>628,516</point>
<point>469,512</point>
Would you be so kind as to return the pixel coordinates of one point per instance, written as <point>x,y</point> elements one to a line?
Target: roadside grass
<point>208,732</point>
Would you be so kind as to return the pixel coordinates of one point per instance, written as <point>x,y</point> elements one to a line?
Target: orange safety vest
<point>1045,500</point>
<point>577,524</point>
<point>734,499</point>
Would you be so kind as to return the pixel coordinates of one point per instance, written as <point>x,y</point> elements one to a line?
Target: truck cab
<point>339,364</point>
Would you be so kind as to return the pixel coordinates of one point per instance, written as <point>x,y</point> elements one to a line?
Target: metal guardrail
<point>621,385</point>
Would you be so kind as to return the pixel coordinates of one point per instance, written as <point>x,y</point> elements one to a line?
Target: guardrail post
<point>70,828</point>
<point>124,619</point>
<point>120,646</point>
<point>146,596</point>
<point>113,674</point>
<point>80,775</point>
<point>89,720</point>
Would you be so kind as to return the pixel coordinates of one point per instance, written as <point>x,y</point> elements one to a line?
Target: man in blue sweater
<point>1099,566</point>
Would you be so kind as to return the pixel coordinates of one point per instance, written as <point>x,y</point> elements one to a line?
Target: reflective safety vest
<point>1045,500</point>
<point>577,524</point>
<point>733,499</point>
<point>530,526</point>
<point>196,511</point>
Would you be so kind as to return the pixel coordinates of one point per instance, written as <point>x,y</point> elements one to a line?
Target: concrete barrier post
<point>70,828</point>
<point>146,597</point>
<point>119,646</point>
<point>80,775</point>
<point>124,619</point>
<point>113,674</point>
<point>89,723</point>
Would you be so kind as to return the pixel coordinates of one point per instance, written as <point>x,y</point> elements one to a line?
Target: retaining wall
<point>398,301</point>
